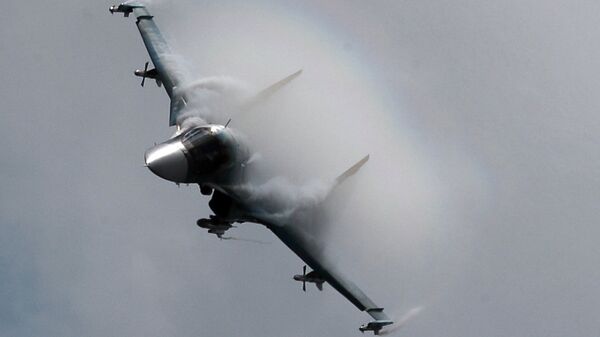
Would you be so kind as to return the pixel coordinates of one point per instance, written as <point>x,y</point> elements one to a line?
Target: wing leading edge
<point>169,70</point>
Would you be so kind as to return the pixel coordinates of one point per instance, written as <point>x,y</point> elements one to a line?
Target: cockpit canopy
<point>209,149</point>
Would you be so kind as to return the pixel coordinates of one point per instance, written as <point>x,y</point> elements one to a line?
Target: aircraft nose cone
<point>167,161</point>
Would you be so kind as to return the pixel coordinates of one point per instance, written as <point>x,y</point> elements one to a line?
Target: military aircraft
<point>218,159</point>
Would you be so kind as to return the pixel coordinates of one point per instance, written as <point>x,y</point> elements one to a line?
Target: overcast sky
<point>479,203</point>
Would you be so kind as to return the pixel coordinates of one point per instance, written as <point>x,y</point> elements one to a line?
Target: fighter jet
<point>218,159</point>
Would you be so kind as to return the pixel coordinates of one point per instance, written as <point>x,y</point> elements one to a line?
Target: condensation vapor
<point>209,101</point>
<point>403,320</point>
<point>315,128</point>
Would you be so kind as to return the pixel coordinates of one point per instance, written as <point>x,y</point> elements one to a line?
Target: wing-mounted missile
<point>312,277</point>
<point>381,320</point>
<point>120,9</point>
<point>374,326</point>
<point>126,8</point>
<point>214,225</point>
<point>152,73</point>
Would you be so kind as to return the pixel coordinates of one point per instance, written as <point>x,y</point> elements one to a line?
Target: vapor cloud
<point>211,100</point>
<point>403,320</point>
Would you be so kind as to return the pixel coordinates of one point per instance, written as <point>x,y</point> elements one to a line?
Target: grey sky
<point>479,201</point>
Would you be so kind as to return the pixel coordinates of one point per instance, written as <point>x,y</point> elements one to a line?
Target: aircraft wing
<point>168,68</point>
<point>297,233</point>
<point>310,252</point>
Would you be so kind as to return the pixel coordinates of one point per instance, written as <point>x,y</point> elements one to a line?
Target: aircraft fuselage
<point>209,154</point>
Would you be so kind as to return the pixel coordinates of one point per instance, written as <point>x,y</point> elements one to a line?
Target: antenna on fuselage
<point>229,121</point>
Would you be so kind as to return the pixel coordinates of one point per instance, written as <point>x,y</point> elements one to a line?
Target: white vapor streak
<point>219,97</point>
<point>281,198</point>
<point>210,100</point>
<point>408,316</point>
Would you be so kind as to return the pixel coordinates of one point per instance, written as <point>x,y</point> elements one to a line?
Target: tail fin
<point>351,171</point>
<point>269,91</point>
<point>334,192</point>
